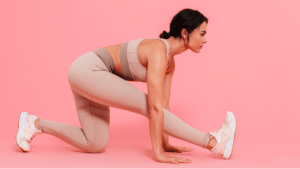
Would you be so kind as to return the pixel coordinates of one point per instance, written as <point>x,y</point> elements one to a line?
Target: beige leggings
<point>95,89</point>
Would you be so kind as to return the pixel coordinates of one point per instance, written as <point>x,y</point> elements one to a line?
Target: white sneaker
<point>27,130</point>
<point>225,136</point>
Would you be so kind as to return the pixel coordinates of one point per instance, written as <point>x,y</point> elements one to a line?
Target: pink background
<point>250,65</point>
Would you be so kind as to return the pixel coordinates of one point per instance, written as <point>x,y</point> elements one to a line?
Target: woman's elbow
<point>156,111</point>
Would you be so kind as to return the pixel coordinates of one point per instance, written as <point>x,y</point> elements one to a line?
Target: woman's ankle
<point>212,143</point>
<point>37,123</point>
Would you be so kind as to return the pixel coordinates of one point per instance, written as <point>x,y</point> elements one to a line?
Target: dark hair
<point>188,19</point>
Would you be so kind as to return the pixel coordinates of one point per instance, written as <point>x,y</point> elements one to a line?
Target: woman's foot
<point>27,130</point>
<point>225,136</point>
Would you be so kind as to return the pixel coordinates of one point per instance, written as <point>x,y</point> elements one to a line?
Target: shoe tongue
<point>214,134</point>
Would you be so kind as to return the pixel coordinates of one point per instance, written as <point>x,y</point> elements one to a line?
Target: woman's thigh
<point>89,77</point>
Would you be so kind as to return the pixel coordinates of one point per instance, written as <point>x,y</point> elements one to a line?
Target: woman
<point>98,79</point>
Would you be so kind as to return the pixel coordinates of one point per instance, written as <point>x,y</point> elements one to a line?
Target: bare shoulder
<point>157,48</point>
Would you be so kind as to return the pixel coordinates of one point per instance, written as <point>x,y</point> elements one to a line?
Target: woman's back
<point>130,58</point>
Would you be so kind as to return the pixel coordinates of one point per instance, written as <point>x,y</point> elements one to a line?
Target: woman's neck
<point>177,46</point>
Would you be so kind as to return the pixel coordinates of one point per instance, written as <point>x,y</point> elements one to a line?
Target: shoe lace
<point>217,131</point>
<point>217,149</point>
<point>34,134</point>
<point>221,147</point>
<point>30,134</point>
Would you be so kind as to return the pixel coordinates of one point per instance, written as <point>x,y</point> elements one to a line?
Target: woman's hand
<point>170,148</point>
<point>164,158</point>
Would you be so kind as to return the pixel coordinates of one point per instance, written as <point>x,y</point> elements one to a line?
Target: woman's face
<point>197,38</point>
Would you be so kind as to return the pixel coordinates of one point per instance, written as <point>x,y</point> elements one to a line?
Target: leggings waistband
<point>106,58</point>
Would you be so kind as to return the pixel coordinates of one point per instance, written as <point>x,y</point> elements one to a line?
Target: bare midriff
<point>142,51</point>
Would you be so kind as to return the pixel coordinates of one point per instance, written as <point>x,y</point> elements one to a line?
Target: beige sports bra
<point>138,71</point>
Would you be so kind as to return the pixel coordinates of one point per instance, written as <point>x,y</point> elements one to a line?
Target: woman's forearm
<point>165,136</point>
<point>156,129</point>
<point>165,140</point>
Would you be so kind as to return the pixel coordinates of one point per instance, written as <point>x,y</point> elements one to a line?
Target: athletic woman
<point>99,79</point>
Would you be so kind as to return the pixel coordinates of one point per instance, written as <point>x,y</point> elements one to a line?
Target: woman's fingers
<point>184,160</point>
<point>181,149</point>
<point>171,159</point>
<point>184,149</point>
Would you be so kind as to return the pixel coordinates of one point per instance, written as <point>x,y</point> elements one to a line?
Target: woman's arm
<point>167,84</point>
<point>167,95</point>
<point>157,67</point>
<point>165,136</point>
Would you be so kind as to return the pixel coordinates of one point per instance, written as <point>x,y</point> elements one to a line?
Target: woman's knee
<point>97,147</point>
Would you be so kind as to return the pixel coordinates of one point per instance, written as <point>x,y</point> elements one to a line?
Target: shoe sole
<point>21,126</point>
<point>230,143</point>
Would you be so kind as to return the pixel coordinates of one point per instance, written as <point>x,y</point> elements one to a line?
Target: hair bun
<point>164,35</point>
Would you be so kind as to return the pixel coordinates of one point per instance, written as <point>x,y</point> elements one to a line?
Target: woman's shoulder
<point>156,44</point>
<point>156,48</point>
